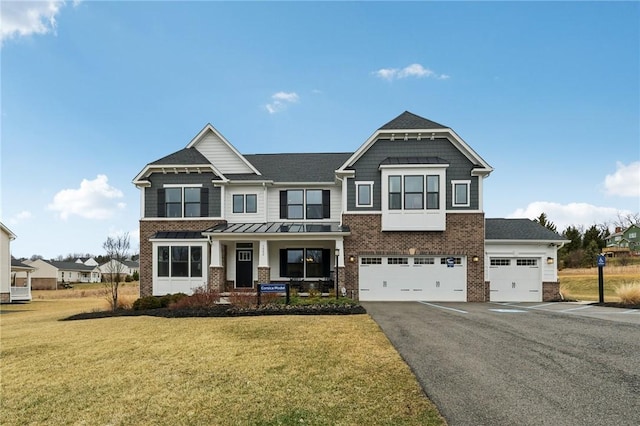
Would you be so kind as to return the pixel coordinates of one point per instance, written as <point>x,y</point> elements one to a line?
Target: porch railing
<point>20,293</point>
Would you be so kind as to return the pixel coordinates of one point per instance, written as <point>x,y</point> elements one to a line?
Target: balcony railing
<point>20,294</point>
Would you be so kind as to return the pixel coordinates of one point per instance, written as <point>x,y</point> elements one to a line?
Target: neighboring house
<point>400,218</point>
<point>126,267</point>
<point>623,241</point>
<point>89,261</point>
<point>9,267</point>
<point>50,272</point>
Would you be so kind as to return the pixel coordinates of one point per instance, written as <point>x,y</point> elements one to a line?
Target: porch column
<point>216,254</point>
<point>263,254</point>
<point>340,246</point>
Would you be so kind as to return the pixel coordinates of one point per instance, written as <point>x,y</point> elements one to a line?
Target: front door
<point>244,268</point>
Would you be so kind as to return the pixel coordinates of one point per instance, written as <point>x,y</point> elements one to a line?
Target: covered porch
<point>20,292</point>
<point>305,255</point>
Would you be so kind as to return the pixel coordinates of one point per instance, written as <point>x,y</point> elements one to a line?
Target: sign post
<point>274,288</point>
<point>601,261</point>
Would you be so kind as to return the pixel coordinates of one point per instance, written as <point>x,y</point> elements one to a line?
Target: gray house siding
<point>159,179</point>
<point>367,168</point>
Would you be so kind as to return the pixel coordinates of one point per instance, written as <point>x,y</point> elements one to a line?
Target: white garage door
<point>411,278</point>
<point>515,280</point>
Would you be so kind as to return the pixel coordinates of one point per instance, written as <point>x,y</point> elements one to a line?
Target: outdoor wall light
<point>352,259</point>
<point>475,258</point>
<point>412,251</point>
<point>550,260</point>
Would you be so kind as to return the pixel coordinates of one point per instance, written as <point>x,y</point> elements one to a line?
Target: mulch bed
<point>225,311</point>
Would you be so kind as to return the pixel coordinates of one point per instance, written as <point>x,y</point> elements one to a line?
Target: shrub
<point>201,298</point>
<point>136,276</point>
<point>243,299</point>
<point>147,302</point>
<point>629,293</point>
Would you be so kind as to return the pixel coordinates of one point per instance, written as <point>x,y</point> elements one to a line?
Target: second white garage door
<point>413,278</point>
<point>515,280</point>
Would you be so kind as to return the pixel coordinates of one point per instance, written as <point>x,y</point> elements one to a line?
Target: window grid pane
<point>252,203</point>
<point>395,193</point>
<point>433,192</point>
<point>238,203</point>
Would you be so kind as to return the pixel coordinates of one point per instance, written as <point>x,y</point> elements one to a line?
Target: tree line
<point>586,244</point>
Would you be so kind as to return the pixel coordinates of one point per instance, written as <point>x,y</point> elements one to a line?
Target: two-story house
<point>624,241</point>
<point>400,218</point>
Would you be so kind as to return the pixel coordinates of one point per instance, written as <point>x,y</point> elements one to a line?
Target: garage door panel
<point>515,280</point>
<point>390,279</point>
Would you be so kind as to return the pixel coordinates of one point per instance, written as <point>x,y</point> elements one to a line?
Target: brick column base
<point>216,278</point>
<point>550,291</point>
<point>5,297</point>
<point>264,274</point>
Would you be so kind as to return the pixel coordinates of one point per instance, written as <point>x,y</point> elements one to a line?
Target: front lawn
<point>265,370</point>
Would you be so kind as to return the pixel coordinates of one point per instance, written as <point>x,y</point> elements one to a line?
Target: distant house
<point>623,242</point>
<point>50,272</point>
<point>9,291</point>
<point>89,261</point>
<point>126,267</point>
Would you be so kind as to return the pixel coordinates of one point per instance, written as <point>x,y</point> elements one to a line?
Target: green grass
<point>585,286</point>
<point>284,370</point>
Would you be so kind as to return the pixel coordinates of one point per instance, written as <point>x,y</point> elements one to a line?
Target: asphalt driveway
<point>520,364</point>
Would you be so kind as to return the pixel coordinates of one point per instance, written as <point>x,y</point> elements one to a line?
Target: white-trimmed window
<point>179,261</point>
<point>245,203</point>
<point>460,193</point>
<point>183,201</point>
<point>364,194</point>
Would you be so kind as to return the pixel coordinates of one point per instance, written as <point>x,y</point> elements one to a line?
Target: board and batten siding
<point>367,168</point>
<point>158,180</point>
<point>221,155</point>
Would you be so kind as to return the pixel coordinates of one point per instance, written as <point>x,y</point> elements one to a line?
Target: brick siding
<point>148,229</point>
<point>464,236</point>
<point>550,291</point>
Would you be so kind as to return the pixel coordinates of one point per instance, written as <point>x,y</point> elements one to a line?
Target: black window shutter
<point>326,262</point>
<point>204,202</point>
<point>326,203</point>
<point>283,262</point>
<point>283,204</point>
<point>162,212</point>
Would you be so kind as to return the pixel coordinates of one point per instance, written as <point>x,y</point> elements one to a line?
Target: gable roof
<point>71,266</point>
<point>519,229</point>
<point>408,120</point>
<point>11,235</point>
<point>298,167</point>
<point>421,129</point>
<point>189,156</point>
<point>18,265</point>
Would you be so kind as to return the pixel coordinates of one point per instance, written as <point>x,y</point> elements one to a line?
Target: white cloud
<point>413,70</point>
<point>572,214</point>
<point>625,182</point>
<point>95,199</point>
<point>20,217</point>
<point>280,101</point>
<point>19,19</point>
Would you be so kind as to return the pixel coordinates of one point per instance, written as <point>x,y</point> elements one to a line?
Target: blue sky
<point>547,93</point>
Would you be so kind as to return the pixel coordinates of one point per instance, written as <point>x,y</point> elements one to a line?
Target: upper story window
<point>364,194</point>
<point>305,204</point>
<point>183,201</point>
<point>460,191</point>
<point>245,203</point>
<point>632,235</point>
<point>412,195</point>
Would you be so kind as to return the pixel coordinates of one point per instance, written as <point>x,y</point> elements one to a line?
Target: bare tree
<point>117,250</point>
<point>626,220</point>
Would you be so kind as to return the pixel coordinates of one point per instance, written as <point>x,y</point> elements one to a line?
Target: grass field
<point>582,284</point>
<point>283,370</point>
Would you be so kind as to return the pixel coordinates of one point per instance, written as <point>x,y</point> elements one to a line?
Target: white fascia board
<point>210,128</point>
<point>413,166</point>
<point>178,240</point>
<point>306,236</point>
<point>179,219</point>
<point>530,242</point>
<point>140,179</point>
<point>249,182</point>
<point>11,235</point>
<point>305,184</point>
